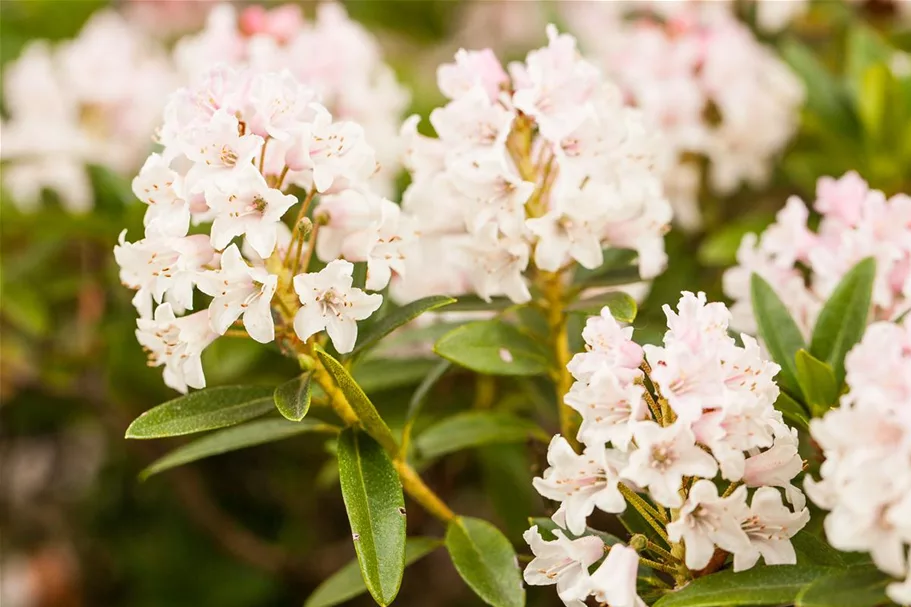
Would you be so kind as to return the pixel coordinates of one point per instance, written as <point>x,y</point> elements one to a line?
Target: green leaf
<point>863,586</point>
<point>817,381</point>
<point>473,429</point>
<point>397,318</point>
<point>843,318</point>
<point>473,303</point>
<point>793,411</point>
<point>827,99</point>
<point>241,436</point>
<point>203,410</point>
<point>367,414</point>
<point>375,374</point>
<point>778,330</point>
<point>494,347</point>
<point>764,585</point>
<point>813,551</point>
<point>376,510</point>
<point>486,561</point>
<point>621,305</point>
<point>873,99</point>
<point>347,583</point>
<point>292,398</point>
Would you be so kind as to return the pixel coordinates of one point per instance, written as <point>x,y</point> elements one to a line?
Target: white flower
<point>279,104</point>
<point>610,410</point>
<point>562,235</point>
<point>563,562</point>
<point>769,527</point>
<point>328,301</point>
<point>161,265</point>
<point>161,188</point>
<point>472,123</point>
<point>614,582</point>
<point>176,343</point>
<point>580,482</point>
<point>239,289</point>
<point>777,467</point>
<point>247,206</point>
<point>498,264</point>
<point>663,457</point>
<point>335,152</point>
<point>217,148</point>
<point>472,68</point>
<point>494,194</point>
<point>608,346</point>
<point>707,520</point>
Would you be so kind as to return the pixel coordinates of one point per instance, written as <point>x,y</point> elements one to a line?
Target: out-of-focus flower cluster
<point>92,100</point>
<point>666,421</point>
<point>542,164</point>
<point>332,54</point>
<point>703,79</point>
<point>866,477</point>
<point>233,144</point>
<point>856,222</point>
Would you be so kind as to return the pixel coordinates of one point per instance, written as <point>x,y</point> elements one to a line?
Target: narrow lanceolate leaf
<point>494,347</point>
<point>773,585</point>
<point>253,433</point>
<point>863,586</point>
<point>779,332</point>
<point>486,561</point>
<point>621,305</point>
<point>347,583</point>
<point>817,381</point>
<point>811,550</point>
<point>843,318</point>
<point>793,412</point>
<point>397,318</point>
<point>367,414</point>
<point>376,510</point>
<point>473,429</point>
<point>378,374</point>
<point>203,410</point>
<point>292,398</point>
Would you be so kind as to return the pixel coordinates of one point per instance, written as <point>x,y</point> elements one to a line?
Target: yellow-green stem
<point>556,323</point>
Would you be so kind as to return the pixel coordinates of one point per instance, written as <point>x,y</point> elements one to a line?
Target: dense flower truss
<point>91,100</point>
<point>334,55</point>
<point>856,222</point>
<point>866,476</point>
<point>673,423</point>
<point>539,167</point>
<point>234,144</point>
<point>700,76</point>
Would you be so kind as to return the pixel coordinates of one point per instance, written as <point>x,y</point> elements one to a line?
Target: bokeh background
<point>265,525</point>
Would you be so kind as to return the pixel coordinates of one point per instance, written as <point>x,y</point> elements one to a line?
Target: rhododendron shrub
<point>441,313</point>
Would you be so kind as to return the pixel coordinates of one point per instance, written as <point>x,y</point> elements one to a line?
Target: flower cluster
<point>332,54</point>
<point>543,164</point>
<point>91,100</point>
<point>866,476</point>
<point>703,79</point>
<point>856,222</point>
<point>233,145</point>
<point>666,421</point>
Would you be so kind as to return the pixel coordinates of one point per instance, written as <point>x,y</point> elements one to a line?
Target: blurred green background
<point>264,526</point>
